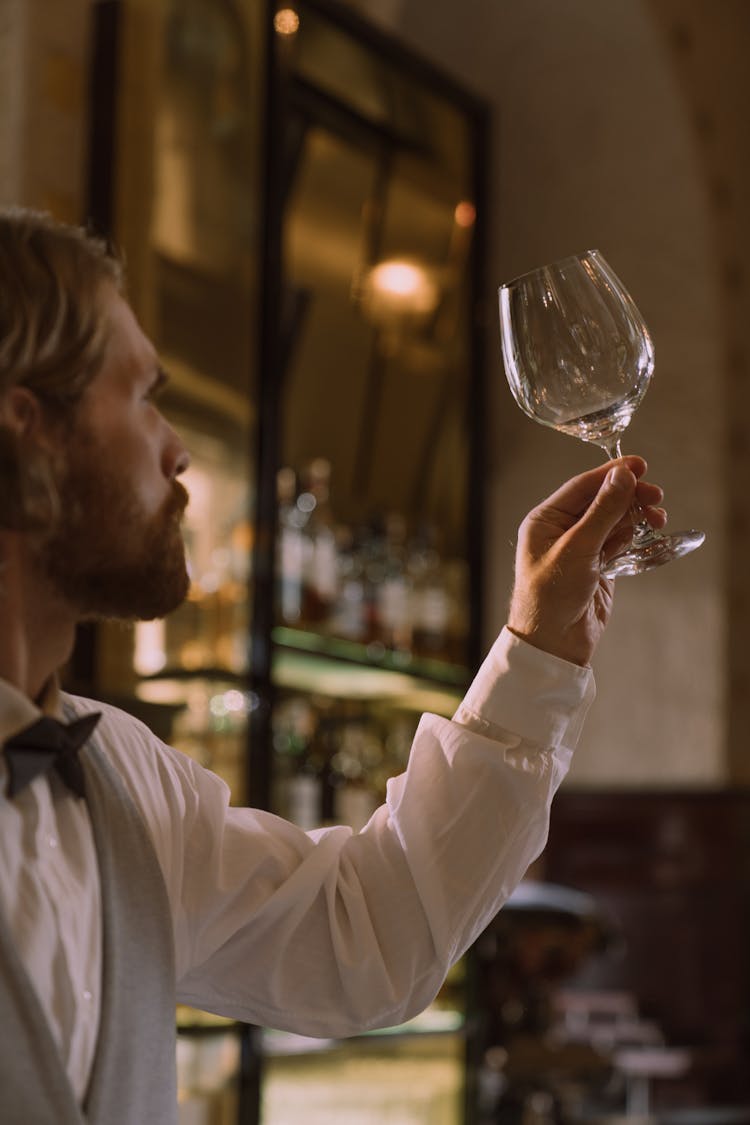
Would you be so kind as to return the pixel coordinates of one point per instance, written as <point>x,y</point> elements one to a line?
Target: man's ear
<point>21,411</point>
<point>29,499</point>
<point>28,493</point>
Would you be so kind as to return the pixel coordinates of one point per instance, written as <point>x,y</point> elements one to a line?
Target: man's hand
<point>561,602</point>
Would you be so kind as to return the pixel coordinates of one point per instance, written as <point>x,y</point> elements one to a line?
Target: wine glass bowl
<point>579,358</point>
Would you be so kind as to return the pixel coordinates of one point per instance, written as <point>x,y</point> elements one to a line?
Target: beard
<point>106,557</point>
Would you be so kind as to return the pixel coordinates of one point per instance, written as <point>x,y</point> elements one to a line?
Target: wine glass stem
<point>642,529</point>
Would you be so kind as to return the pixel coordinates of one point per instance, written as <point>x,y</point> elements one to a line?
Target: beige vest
<point>133,1081</point>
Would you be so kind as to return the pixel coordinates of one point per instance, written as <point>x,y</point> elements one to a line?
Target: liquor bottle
<point>290,548</point>
<point>394,600</point>
<point>430,602</point>
<point>349,614</point>
<point>320,578</point>
<point>298,775</point>
<point>232,646</point>
<point>372,548</point>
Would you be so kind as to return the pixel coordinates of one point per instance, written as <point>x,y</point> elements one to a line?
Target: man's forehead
<point>128,344</point>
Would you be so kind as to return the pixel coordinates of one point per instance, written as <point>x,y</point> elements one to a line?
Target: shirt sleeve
<point>330,932</point>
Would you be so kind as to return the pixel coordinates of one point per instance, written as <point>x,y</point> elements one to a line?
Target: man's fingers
<point>649,496</point>
<point>606,510</point>
<point>575,496</point>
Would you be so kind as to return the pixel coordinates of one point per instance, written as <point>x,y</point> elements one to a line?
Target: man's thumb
<point>610,504</point>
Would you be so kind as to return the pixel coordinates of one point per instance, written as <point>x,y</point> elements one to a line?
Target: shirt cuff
<point>531,693</point>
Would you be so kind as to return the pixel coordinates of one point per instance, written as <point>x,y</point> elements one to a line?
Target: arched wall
<point>593,146</point>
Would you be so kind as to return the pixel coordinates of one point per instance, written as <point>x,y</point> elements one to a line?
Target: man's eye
<point>157,386</point>
<point>156,391</point>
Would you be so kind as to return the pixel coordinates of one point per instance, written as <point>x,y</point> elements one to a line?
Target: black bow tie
<point>48,744</point>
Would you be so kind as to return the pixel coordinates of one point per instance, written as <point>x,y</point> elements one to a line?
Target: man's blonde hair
<point>52,340</point>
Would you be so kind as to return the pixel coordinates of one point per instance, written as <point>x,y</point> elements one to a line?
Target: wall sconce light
<point>286,21</point>
<point>398,291</point>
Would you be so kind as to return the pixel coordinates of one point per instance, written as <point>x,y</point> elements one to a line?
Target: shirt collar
<point>18,711</point>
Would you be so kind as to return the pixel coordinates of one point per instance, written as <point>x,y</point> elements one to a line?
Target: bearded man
<point>127,882</point>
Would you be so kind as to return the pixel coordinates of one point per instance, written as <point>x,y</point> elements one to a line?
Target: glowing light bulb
<point>465,214</point>
<point>398,285</point>
<point>286,21</point>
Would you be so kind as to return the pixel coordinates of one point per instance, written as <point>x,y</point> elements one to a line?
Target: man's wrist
<point>536,694</point>
<point>556,643</point>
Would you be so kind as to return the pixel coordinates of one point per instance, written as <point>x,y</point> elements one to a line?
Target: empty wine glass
<point>579,358</point>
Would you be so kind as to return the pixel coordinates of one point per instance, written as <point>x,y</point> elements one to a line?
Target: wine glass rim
<point>556,264</point>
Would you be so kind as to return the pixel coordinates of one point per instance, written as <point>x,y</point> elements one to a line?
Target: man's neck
<point>38,630</point>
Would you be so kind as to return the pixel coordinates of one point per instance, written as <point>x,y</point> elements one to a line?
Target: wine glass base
<point>654,551</point>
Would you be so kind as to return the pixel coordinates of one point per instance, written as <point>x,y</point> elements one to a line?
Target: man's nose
<point>183,461</point>
<point>176,456</point>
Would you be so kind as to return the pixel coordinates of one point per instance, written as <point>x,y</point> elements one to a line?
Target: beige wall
<point>709,46</point>
<point>594,145</point>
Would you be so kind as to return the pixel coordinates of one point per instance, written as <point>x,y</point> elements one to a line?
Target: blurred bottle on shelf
<point>333,758</point>
<point>395,592</point>
<point>349,615</point>
<point>307,555</point>
<point>456,577</point>
<point>298,776</point>
<point>373,584</point>
<point>372,552</point>
<point>429,596</point>
<point>320,577</point>
<point>291,548</point>
<point>211,727</point>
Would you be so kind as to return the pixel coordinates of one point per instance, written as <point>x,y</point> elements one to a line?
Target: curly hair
<point>52,340</point>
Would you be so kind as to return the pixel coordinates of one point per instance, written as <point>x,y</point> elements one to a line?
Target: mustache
<point>177,502</point>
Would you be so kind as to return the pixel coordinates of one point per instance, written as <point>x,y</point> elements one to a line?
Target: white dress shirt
<point>323,933</point>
